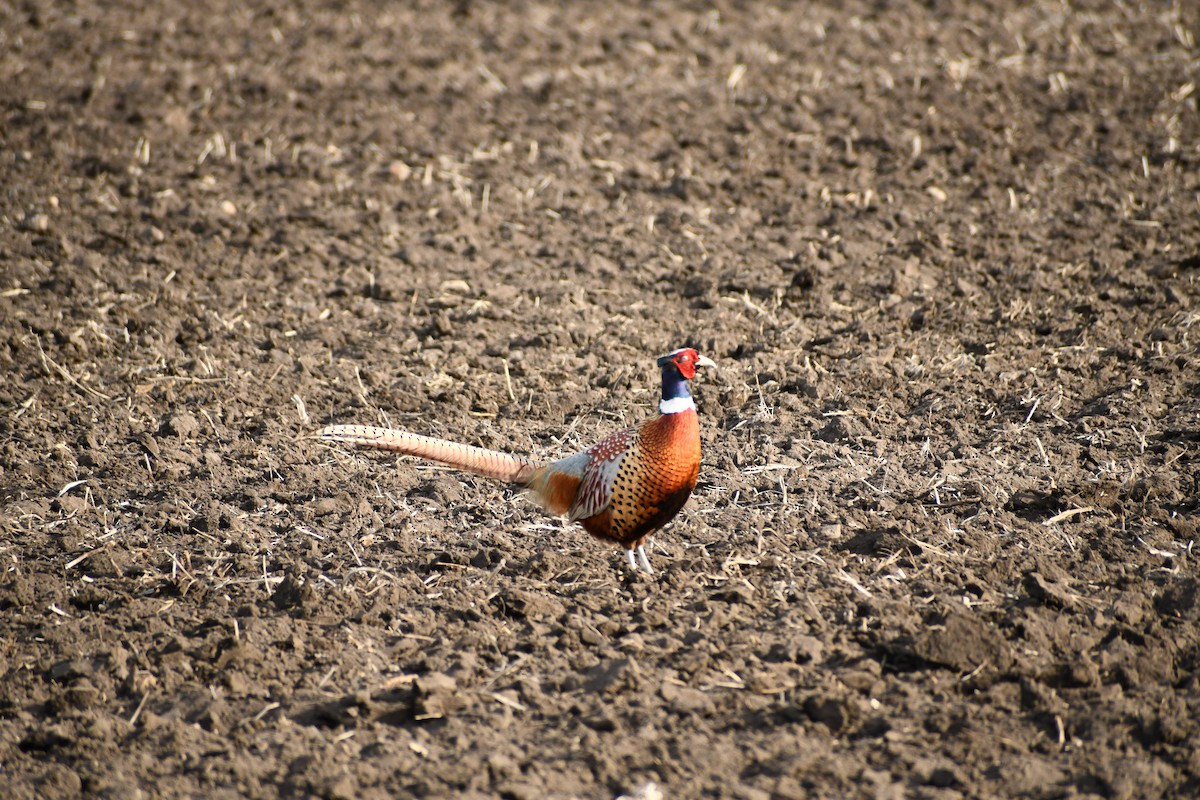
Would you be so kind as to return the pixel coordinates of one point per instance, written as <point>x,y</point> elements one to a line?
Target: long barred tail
<point>489,463</point>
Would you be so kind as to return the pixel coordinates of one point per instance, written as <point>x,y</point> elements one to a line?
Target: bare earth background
<point>947,255</point>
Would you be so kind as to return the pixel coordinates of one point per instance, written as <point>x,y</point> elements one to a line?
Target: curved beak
<point>705,361</point>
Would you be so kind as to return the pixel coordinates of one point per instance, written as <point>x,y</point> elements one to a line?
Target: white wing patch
<point>595,490</point>
<point>574,464</point>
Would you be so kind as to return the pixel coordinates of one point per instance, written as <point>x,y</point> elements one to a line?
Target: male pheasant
<point>621,489</point>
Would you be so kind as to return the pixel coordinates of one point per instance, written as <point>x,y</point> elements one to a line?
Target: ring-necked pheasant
<point>621,489</point>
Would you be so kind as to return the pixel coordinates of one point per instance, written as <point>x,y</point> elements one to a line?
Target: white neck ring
<point>676,405</point>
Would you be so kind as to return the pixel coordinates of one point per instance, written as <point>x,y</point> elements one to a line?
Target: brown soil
<point>947,258</point>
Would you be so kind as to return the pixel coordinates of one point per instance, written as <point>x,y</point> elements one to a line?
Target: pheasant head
<point>678,368</point>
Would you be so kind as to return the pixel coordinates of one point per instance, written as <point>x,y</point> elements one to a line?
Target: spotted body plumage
<point>653,474</point>
<point>621,489</point>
